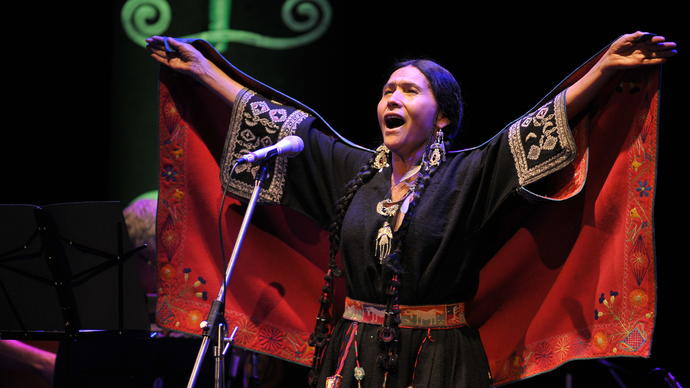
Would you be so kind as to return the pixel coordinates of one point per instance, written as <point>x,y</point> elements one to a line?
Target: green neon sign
<point>143,18</point>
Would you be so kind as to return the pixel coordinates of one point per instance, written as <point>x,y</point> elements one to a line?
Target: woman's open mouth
<point>393,121</point>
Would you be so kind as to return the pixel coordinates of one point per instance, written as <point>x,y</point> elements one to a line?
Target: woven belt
<point>427,316</point>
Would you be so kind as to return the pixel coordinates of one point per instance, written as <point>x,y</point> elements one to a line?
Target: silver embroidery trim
<point>527,175</point>
<point>232,149</point>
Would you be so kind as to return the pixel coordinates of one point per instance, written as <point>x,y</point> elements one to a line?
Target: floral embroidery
<point>169,238</point>
<point>639,261</point>
<point>562,348</point>
<point>177,152</point>
<point>638,298</point>
<point>547,141</point>
<point>246,331</point>
<point>543,354</point>
<point>644,188</point>
<point>600,341</point>
<point>542,142</point>
<point>628,334</point>
<point>178,195</point>
<point>270,338</point>
<point>194,318</point>
<point>169,173</point>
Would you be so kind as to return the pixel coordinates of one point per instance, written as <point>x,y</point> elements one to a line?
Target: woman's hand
<point>178,56</point>
<point>185,59</point>
<point>637,49</point>
<point>628,51</point>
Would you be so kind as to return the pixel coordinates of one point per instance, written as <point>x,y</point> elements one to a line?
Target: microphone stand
<point>214,325</point>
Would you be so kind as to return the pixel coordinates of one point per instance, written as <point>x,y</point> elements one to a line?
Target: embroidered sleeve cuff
<point>255,123</point>
<point>541,142</point>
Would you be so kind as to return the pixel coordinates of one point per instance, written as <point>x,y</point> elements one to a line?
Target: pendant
<point>387,207</point>
<point>381,160</point>
<point>334,381</point>
<point>435,158</point>
<point>383,242</point>
<point>438,150</point>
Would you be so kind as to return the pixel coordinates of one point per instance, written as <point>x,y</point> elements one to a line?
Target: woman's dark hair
<point>446,92</point>
<point>449,100</point>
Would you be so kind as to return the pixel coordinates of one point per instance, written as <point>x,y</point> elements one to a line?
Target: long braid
<point>388,333</point>
<point>324,325</point>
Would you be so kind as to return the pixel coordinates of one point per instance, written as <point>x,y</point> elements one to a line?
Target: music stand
<point>66,271</point>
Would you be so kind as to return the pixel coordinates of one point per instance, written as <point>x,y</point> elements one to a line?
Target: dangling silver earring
<point>438,149</point>
<point>381,159</point>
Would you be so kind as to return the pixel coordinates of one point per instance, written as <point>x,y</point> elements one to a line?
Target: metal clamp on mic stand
<point>214,326</point>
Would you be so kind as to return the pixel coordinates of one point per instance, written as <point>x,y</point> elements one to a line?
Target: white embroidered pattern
<point>255,128</point>
<point>546,129</point>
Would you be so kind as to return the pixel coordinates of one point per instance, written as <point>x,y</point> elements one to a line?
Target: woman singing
<point>409,219</point>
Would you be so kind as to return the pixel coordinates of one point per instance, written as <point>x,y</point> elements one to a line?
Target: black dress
<point>444,249</point>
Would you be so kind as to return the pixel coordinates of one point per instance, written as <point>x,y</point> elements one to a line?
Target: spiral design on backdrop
<point>307,10</point>
<point>311,18</point>
<point>143,18</point>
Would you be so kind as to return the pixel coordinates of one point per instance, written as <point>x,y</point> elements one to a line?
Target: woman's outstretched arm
<point>184,58</point>
<point>628,51</point>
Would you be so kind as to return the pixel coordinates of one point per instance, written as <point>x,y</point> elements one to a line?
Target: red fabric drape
<point>577,280</point>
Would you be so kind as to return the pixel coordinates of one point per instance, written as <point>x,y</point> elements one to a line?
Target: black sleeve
<point>529,149</point>
<point>310,182</point>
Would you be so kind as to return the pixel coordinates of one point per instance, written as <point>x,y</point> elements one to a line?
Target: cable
<point>669,379</point>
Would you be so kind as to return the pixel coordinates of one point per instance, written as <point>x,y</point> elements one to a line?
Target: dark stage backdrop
<point>81,92</point>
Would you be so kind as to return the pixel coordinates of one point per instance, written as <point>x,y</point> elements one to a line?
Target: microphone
<point>288,146</point>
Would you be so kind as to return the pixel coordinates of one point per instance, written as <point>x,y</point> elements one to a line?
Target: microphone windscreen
<point>292,146</point>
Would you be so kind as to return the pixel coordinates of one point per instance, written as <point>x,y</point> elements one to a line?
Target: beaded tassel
<point>336,380</point>
<point>359,371</point>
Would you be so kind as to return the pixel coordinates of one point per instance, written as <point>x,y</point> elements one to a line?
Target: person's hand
<point>185,59</point>
<point>177,55</point>
<point>637,49</point>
